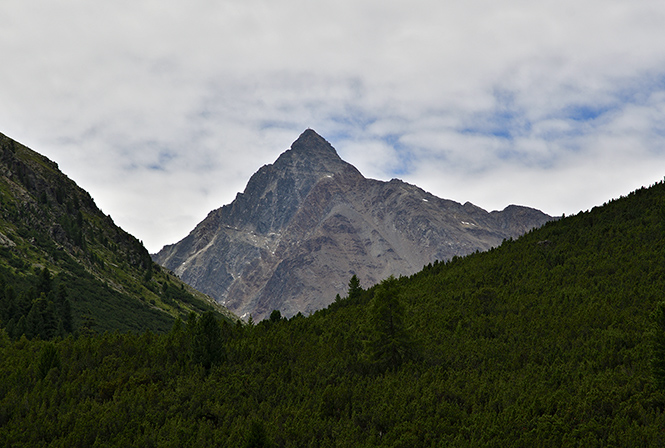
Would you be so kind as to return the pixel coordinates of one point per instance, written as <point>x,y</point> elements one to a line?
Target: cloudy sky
<point>162,110</point>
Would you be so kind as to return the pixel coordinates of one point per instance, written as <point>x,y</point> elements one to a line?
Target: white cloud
<point>163,110</point>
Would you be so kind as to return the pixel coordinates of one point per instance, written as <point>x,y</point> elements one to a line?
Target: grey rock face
<point>305,224</point>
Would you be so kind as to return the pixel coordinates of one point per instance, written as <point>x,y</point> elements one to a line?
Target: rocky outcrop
<point>305,224</point>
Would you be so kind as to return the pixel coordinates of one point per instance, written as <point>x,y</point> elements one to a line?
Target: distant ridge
<point>308,222</point>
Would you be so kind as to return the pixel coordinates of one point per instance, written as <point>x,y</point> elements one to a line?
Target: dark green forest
<point>554,339</point>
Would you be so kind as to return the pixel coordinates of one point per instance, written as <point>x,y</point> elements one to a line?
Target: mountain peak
<point>308,221</point>
<point>313,157</point>
<point>312,143</point>
<point>310,139</point>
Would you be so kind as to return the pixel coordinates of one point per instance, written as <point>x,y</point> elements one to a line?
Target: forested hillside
<point>66,267</point>
<point>548,340</point>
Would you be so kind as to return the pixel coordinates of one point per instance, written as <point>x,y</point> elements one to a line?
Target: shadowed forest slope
<point>547,340</point>
<point>65,266</point>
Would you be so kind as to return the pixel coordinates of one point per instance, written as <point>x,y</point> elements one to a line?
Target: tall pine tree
<point>207,343</point>
<point>658,345</point>
<point>389,344</point>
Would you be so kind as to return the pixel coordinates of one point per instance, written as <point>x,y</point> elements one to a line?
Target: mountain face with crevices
<point>305,224</point>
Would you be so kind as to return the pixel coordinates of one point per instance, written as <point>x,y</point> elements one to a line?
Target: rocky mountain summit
<point>305,224</point>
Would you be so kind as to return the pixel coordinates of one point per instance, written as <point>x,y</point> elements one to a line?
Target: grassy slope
<point>50,222</point>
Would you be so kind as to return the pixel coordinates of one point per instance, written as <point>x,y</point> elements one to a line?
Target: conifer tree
<point>354,288</point>
<point>51,319</point>
<point>9,303</point>
<point>389,344</point>
<point>65,309</point>
<point>49,359</point>
<point>207,344</point>
<point>192,320</point>
<point>257,437</point>
<point>658,347</point>
<point>275,316</point>
<point>34,322</point>
<point>45,281</point>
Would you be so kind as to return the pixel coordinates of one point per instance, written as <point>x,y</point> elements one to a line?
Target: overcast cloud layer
<point>162,110</point>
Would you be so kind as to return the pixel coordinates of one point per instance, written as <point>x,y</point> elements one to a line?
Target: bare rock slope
<point>305,224</point>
